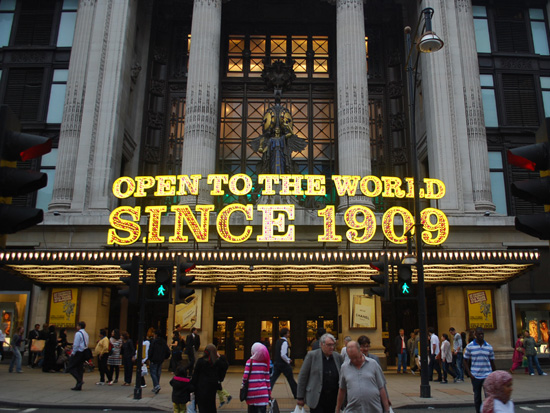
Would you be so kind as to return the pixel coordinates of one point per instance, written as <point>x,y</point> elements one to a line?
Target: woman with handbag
<point>256,383</point>
<point>114,361</point>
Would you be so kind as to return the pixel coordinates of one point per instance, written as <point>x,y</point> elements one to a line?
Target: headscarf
<point>260,353</point>
<point>494,389</point>
<point>211,353</point>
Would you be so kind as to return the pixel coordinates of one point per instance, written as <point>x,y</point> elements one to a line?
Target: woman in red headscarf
<point>256,372</point>
<point>498,390</point>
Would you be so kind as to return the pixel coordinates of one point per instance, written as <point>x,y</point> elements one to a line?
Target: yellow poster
<point>63,306</point>
<point>188,314</point>
<point>481,311</point>
<point>362,309</point>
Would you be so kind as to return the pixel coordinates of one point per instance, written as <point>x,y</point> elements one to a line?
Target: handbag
<point>37,346</point>
<point>274,406</point>
<point>244,389</point>
<point>144,371</point>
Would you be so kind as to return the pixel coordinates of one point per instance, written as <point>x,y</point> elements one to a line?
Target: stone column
<point>353,95</point>
<point>201,113</point>
<point>72,115</point>
<point>477,141</point>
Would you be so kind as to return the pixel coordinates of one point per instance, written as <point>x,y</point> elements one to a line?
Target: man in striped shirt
<point>479,362</point>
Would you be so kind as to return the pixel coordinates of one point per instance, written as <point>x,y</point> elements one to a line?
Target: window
<point>498,188</point>
<point>538,30</point>
<point>520,100</point>
<point>247,54</point>
<point>23,92</point>
<point>57,96</point>
<point>545,86</point>
<point>481,26</point>
<point>44,195</point>
<point>489,101</point>
<point>35,22</point>
<point>67,23</point>
<point>7,8</point>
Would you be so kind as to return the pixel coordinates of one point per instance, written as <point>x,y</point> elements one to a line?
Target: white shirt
<point>2,336</point>
<point>434,340</point>
<point>81,340</point>
<point>284,350</point>
<point>344,354</point>
<point>146,344</point>
<point>499,407</point>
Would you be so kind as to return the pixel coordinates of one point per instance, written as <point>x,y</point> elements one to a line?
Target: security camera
<point>251,268</point>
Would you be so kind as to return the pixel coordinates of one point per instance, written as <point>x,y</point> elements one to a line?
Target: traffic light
<point>405,287</point>
<point>380,278</point>
<point>183,280</point>
<point>132,291</point>
<point>16,146</point>
<point>163,284</point>
<point>533,158</point>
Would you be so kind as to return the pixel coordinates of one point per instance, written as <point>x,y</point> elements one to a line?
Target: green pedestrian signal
<point>405,289</point>
<point>163,284</point>
<point>161,291</point>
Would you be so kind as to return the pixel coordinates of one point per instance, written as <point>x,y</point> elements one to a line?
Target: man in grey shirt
<point>363,382</point>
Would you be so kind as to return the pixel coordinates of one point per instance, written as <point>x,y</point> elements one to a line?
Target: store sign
<point>360,220</point>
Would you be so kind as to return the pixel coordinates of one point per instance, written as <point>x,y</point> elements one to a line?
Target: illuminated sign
<point>360,220</point>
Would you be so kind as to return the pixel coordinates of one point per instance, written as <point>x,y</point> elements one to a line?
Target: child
<point>181,389</point>
<point>222,394</point>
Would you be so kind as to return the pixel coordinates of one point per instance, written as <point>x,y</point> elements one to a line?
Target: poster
<point>63,306</point>
<point>536,322</point>
<point>188,314</point>
<point>481,310</point>
<point>362,309</point>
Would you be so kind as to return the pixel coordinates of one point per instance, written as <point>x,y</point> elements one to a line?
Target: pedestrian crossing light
<point>163,284</point>
<point>405,287</point>
<point>183,280</point>
<point>381,278</point>
<point>132,291</point>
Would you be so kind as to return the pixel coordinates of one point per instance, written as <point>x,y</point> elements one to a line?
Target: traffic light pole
<point>141,323</point>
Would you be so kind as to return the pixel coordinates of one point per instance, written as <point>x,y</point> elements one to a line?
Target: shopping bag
<point>299,409</point>
<point>144,371</point>
<point>274,406</point>
<point>37,346</point>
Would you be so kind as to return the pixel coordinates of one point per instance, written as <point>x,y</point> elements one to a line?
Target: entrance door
<point>230,339</point>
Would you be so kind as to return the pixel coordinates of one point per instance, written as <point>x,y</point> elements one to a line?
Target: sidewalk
<point>34,388</point>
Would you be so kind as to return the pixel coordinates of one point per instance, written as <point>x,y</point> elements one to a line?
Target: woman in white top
<point>498,390</point>
<point>446,358</point>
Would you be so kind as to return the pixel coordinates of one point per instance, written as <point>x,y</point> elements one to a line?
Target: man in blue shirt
<point>479,362</point>
<point>77,359</point>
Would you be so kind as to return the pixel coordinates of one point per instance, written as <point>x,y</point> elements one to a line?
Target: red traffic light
<point>531,157</point>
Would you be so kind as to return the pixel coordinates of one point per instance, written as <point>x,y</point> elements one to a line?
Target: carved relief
<point>395,89</point>
<point>151,154</point>
<point>397,121</point>
<point>399,156</point>
<point>157,87</point>
<point>518,64</point>
<point>155,120</point>
<point>134,71</point>
<point>160,56</point>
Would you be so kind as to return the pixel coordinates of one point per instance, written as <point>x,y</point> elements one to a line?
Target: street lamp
<point>427,42</point>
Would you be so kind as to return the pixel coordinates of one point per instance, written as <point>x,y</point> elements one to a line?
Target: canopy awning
<point>269,267</point>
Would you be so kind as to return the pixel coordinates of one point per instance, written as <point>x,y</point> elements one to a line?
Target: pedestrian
<point>34,334</point>
<point>498,392</point>
<point>208,373</point>
<point>62,337</point>
<point>319,377</point>
<point>410,350</point>
<point>256,373</point>
<point>78,355</point>
<point>531,353</point>
<point>364,345</point>
<point>363,383</point>
<point>127,351</point>
<point>16,343</point>
<point>315,343</point>
<point>343,352</point>
<point>519,353</point>
<point>181,389</point>
<point>114,361</point>
<point>2,341</point>
<point>158,352</point>
<point>400,347</point>
<point>176,347</point>
<point>458,350</point>
<point>50,352</point>
<point>144,357</point>
<point>446,358</point>
<point>281,361</point>
<point>416,350</point>
<point>192,345</point>
<point>479,362</point>
<point>435,356</point>
<point>102,353</point>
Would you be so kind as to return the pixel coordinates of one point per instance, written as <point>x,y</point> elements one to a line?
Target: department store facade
<point>127,95</point>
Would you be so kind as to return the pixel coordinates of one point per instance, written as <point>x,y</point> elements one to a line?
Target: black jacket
<point>181,389</point>
<point>397,344</point>
<point>158,350</point>
<point>192,343</point>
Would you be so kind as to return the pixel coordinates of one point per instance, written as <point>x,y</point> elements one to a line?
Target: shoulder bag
<point>87,353</point>
<point>244,389</point>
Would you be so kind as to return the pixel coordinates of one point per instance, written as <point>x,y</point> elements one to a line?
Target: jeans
<point>477,385</point>
<point>530,360</point>
<point>402,361</point>
<point>156,369</point>
<point>16,360</point>
<point>282,367</point>
<point>458,366</point>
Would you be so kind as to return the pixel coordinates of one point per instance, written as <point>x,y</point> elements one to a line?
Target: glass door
<point>230,339</point>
